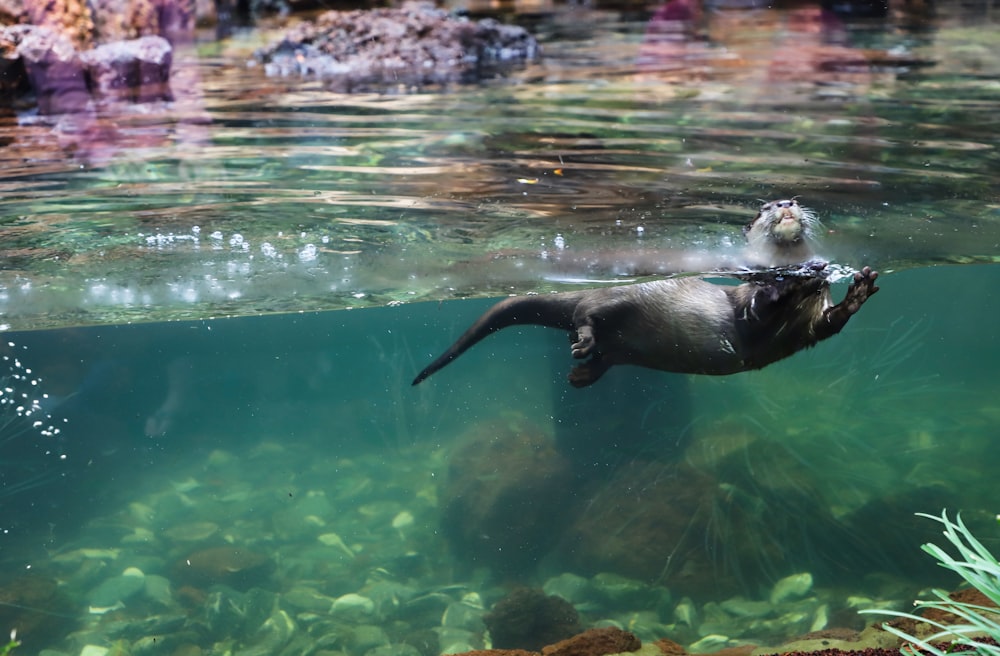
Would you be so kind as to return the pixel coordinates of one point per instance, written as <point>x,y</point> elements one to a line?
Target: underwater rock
<point>305,598</point>
<point>130,71</point>
<point>972,596</point>
<point>271,636</point>
<point>115,591</point>
<point>490,652</point>
<point>388,596</point>
<point>424,609</point>
<point>641,524</point>
<point>227,613</point>
<point>457,641</point>
<point>223,613</point>
<point>623,592</point>
<point>686,613</point>
<point>53,65</point>
<point>364,637</point>
<point>396,649</point>
<point>306,517</point>
<point>530,619</point>
<point>238,568</point>
<point>466,614</point>
<point>710,643</point>
<point>94,650</point>
<point>191,532</point>
<point>161,644</point>
<point>413,46</point>
<point>741,607</point>
<point>156,625</point>
<point>18,599</point>
<point>575,589</point>
<point>157,588</point>
<point>791,587</point>
<point>595,642</point>
<point>352,607</point>
<point>505,498</point>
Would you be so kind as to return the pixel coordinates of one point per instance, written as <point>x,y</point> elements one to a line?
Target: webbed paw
<point>860,290</point>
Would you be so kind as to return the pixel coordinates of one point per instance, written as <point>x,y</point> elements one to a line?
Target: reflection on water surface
<point>254,194</point>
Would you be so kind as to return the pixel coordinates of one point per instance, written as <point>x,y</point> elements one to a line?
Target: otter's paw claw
<point>861,289</point>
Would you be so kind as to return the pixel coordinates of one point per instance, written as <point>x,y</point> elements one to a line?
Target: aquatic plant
<point>14,643</point>
<point>978,626</point>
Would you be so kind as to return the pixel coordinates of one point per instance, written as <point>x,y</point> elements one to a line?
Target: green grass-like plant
<point>981,570</point>
<point>7,649</point>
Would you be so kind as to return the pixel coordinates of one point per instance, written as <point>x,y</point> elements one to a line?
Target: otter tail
<point>551,311</point>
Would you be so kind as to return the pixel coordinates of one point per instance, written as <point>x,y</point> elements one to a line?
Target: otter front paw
<point>585,342</point>
<point>860,290</point>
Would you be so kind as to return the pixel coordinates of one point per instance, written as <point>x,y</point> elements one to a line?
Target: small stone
<point>791,587</point>
<point>334,540</point>
<point>394,650</point>
<point>139,535</point>
<point>192,532</point>
<point>219,458</point>
<point>573,588</point>
<point>708,644</point>
<point>623,592</point>
<point>94,650</point>
<point>686,612</point>
<point>141,512</point>
<point>223,613</point>
<point>740,607</point>
<point>402,521</point>
<point>116,590</point>
<point>352,607</point>
<point>820,619</point>
<point>364,637</point>
<point>306,598</point>
<point>461,615</point>
<point>157,588</point>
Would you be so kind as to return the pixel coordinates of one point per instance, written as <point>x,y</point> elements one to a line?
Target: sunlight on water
<point>308,199</point>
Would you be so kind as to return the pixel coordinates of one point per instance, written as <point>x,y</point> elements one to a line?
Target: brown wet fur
<point>688,325</point>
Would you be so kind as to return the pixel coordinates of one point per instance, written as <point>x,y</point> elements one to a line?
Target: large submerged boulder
<point>414,46</point>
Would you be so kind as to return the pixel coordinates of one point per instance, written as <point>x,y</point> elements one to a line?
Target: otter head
<point>782,233</point>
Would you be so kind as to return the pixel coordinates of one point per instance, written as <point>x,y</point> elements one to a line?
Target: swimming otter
<point>683,325</point>
<point>688,325</point>
<point>783,233</point>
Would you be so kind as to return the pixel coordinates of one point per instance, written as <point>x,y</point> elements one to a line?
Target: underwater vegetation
<point>973,625</point>
<point>12,645</point>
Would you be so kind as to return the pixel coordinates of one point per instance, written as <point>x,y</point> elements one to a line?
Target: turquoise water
<point>230,461</point>
<point>298,440</point>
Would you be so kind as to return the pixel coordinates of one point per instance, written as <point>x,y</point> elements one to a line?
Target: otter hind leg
<point>587,373</point>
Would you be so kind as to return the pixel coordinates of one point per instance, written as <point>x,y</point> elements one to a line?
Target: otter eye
<point>765,207</point>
